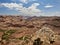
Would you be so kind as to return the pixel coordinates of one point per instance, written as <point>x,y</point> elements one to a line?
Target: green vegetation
<point>24,38</point>
<point>10,31</point>
<point>2,30</point>
<point>6,34</point>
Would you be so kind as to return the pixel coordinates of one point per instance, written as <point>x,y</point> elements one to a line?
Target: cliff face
<point>19,27</point>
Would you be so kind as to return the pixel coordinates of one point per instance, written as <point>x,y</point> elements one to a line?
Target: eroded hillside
<point>19,30</point>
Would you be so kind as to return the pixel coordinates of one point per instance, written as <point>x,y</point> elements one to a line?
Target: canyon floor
<point>24,30</point>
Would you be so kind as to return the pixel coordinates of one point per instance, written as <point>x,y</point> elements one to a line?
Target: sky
<point>30,7</point>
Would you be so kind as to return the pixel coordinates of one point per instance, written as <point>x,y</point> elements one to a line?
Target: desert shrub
<point>6,34</point>
<point>25,38</point>
<point>51,42</point>
<point>27,41</point>
<point>10,31</point>
<point>21,38</point>
<point>37,42</point>
<point>5,37</point>
<point>2,30</point>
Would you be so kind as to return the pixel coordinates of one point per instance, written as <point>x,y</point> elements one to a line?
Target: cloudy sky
<point>30,7</point>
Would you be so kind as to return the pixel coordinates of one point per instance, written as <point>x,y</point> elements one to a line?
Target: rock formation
<point>19,30</point>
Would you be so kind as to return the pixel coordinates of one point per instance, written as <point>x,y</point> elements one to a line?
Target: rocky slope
<point>19,30</point>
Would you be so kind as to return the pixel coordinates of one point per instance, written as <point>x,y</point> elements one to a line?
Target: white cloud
<point>34,5</point>
<point>31,10</point>
<point>11,5</point>
<point>26,1</point>
<point>48,6</point>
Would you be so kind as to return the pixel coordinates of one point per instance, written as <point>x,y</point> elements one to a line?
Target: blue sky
<point>30,7</point>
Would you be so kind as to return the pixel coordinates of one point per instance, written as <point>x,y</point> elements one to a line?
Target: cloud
<point>11,5</point>
<point>23,1</point>
<point>26,1</point>
<point>34,5</point>
<point>48,6</point>
<point>31,10</point>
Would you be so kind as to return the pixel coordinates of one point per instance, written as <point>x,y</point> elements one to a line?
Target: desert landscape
<point>25,30</point>
<point>29,22</point>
